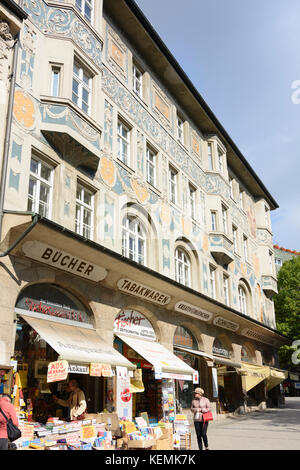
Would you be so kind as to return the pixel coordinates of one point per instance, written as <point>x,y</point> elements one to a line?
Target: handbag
<point>82,416</point>
<point>13,432</point>
<point>208,416</point>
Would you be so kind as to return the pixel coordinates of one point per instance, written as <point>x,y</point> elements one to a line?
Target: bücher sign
<point>57,371</point>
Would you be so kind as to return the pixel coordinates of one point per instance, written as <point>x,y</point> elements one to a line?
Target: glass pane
<point>44,193</point>
<point>85,107</point>
<point>34,166</point>
<point>87,218</point>
<point>32,187</point>
<point>45,172</point>
<point>87,198</point>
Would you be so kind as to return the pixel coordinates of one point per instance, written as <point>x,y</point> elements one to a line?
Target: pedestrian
<point>8,409</point>
<point>76,401</point>
<point>200,405</point>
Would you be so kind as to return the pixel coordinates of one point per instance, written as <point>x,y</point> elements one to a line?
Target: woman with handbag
<point>8,417</point>
<point>201,408</point>
<point>76,401</point>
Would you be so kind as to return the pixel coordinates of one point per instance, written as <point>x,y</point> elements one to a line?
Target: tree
<point>287,308</point>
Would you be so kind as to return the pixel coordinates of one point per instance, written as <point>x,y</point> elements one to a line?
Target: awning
<point>194,352</point>
<point>160,357</point>
<point>226,362</point>
<point>252,375</point>
<point>276,377</point>
<point>76,344</point>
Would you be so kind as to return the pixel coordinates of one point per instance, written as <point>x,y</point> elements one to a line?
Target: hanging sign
<point>228,325</point>
<point>195,377</point>
<point>100,370</point>
<point>79,369</point>
<point>124,398</point>
<point>134,324</point>
<point>144,292</point>
<point>193,311</point>
<point>57,371</point>
<point>62,260</point>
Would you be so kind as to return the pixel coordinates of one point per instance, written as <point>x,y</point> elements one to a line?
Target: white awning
<point>160,357</point>
<point>194,352</point>
<point>75,344</point>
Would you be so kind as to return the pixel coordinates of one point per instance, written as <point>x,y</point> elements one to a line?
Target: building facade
<point>144,203</point>
<point>283,254</point>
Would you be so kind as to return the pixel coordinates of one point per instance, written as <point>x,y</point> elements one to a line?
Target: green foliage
<point>287,307</point>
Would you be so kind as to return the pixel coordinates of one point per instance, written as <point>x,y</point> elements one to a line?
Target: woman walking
<point>200,405</point>
<point>8,409</point>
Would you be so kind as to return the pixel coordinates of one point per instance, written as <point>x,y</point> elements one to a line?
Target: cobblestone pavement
<point>272,429</point>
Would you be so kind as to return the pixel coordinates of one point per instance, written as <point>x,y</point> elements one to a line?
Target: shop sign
<point>78,369</point>
<point>63,260</point>
<point>158,373</point>
<point>121,371</point>
<point>228,325</point>
<point>258,336</point>
<point>52,309</point>
<point>134,324</point>
<point>100,370</point>
<point>297,385</point>
<point>220,351</point>
<point>193,311</point>
<point>169,375</point>
<point>143,292</point>
<point>57,371</point>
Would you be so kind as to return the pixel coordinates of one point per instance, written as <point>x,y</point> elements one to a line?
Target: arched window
<point>133,240</point>
<point>182,268</point>
<point>245,354</point>
<point>184,338</point>
<point>243,300</point>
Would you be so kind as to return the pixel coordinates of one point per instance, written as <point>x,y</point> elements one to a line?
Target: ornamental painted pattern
<point>65,24</point>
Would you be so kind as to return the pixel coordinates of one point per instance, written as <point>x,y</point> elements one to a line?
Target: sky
<point>243,56</point>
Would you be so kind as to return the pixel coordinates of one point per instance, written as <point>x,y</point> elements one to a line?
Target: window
<point>278,261</point>
<point>213,216</point>
<point>40,188</point>
<point>192,201</point>
<point>226,289</point>
<point>182,268</point>
<point>134,240</point>
<point>55,80</point>
<point>151,166</point>
<point>242,300</point>
<point>220,161</point>
<point>210,157</point>
<point>235,242</point>
<point>224,219</point>
<point>84,212</point>
<point>86,8</point>
<point>241,200</point>
<point>245,247</point>
<point>137,81</point>
<point>212,281</point>
<point>180,129</point>
<point>231,188</point>
<point>82,88</point>
<point>123,143</point>
<point>173,184</point>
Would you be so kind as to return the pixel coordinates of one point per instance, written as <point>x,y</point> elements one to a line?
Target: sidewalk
<point>271,429</point>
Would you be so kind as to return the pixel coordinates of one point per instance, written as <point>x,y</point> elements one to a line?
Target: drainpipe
<point>35,220</point>
<point>8,130</point>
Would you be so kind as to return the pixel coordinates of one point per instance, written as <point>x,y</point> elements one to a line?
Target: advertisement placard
<point>57,371</point>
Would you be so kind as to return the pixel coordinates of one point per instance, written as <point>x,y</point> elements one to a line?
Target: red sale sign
<point>57,371</point>
<point>126,395</point>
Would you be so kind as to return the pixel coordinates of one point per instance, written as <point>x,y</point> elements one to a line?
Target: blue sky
<point>243,57</point>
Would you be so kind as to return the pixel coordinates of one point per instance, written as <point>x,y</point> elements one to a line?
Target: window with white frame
<point>213,218</point>
<point>123,143</point>
<point>278,261</point>
<point>82,87</point>
<point>243,300</point>
<point>180,130</point>
<point>220,161</point>
<point>235,239</point>
<point>210,156</point>
<point>231,187</point>
<point>40,188</point>
<point>86,8</point>
<point>212,282</point>
<point>173,175</point>
<point>226,289</point>
<point>55,80</point>
<point>137,80</point>
<point>182,268</point>
<point>133,240</point>
<point>192,201</point>
<point>224,219</point>
<point>84,223</point>
<point>245,247</point>
<point>151,157</point>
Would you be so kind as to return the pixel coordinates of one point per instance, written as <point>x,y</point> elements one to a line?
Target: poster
<point>124,398</point>
<point>57,371</point>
